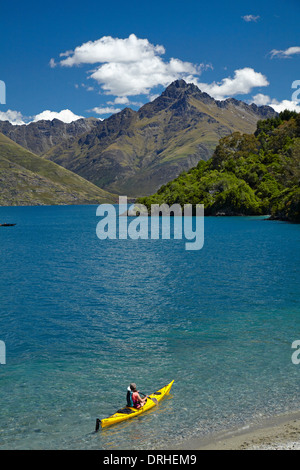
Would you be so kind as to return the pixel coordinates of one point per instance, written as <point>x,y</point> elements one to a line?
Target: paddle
<point>151,398</point>
<point>98,421</point>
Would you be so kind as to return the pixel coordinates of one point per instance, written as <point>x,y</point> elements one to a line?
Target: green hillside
<point>26,179</point>
<point>248,174</point>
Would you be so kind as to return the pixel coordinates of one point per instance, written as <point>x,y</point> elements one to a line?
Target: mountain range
<point>136,152</point>
<point>38,137</point>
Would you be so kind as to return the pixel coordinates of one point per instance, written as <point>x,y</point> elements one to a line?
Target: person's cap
<point>133,386</point>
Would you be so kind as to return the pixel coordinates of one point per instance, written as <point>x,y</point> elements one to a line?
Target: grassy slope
<point>26,179</point>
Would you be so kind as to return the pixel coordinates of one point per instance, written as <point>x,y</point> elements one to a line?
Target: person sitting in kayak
<point>134,399</point>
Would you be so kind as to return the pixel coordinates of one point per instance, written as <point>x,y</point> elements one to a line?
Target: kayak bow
<point>129,412</point>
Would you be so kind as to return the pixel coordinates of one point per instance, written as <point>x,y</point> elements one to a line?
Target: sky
<point>70,59</point>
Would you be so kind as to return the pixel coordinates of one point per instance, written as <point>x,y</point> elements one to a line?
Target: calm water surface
<point>82,318</point>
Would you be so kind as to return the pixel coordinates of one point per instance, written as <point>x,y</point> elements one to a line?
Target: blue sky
<point>95,58</point>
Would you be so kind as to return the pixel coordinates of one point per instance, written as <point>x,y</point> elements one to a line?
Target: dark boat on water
<point>7,225</point>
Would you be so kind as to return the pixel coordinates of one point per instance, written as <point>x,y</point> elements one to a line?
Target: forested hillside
<point>248,174</point>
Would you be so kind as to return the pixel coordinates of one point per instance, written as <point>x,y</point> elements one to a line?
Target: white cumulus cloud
<point>261,100</point>
<point>65,115</point>
<point>120,100</point>
<point>130,66</point>
<point>242,83</point>
<point>14,117</point>
<point>278,106</point>
<point>109,49</point>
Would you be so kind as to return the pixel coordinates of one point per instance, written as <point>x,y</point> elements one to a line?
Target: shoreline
<point>280,432</point>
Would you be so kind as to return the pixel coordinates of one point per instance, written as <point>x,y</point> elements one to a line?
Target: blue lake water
<point>82,318</point>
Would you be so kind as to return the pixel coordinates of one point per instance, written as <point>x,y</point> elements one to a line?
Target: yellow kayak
<point>129,412</point>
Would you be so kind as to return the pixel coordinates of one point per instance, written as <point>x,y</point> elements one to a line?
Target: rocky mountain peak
<point>175,96</point>
<point>179,88</point>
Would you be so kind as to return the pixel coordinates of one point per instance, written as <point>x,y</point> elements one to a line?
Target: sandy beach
<point>278,433</point>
